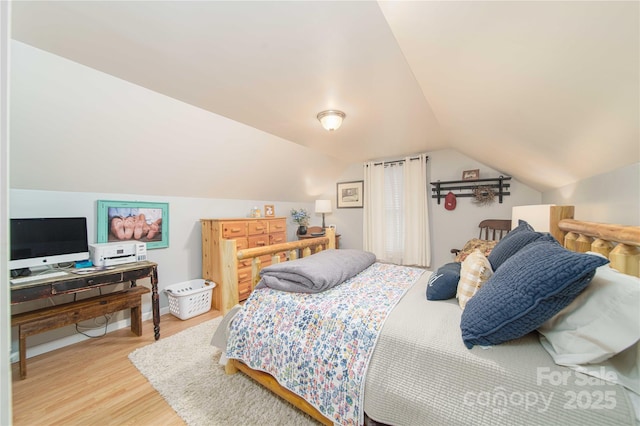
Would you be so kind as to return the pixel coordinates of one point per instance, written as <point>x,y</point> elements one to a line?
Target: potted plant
<point>301,217</point>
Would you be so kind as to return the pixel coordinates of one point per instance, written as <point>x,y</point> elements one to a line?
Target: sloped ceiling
<point>547,92</point>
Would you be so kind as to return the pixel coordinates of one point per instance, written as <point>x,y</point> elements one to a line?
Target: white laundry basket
<point>190,298</point>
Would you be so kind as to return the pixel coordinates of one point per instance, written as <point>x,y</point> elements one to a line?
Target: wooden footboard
<point>230,298</point>
<point>269,382</point>
<point>231,255</point>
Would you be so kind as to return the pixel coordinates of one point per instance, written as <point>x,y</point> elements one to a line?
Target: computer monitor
<point>39,243</point>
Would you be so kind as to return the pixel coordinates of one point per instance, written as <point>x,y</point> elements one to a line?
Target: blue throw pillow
<point>443,283</point>
<point>529,288</point>
<point>514,241</point>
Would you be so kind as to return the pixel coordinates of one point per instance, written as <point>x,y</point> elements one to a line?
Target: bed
<point>425,362</point>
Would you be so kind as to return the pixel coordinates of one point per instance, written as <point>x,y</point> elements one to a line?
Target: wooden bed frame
<point>231,255</point>
<point>620,243</point>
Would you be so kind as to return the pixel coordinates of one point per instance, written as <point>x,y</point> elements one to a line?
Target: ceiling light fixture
<point>331,119</point>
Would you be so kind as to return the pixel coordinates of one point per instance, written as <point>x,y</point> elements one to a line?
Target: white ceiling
<point>547,92</point>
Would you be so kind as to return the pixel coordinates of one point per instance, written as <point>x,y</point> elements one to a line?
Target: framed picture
<point>269,211</point>
<point>350,194</point>
<point>135,221</point>
<point>471,174</point>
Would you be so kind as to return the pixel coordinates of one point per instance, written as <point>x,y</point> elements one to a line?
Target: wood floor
<point>94,383</point>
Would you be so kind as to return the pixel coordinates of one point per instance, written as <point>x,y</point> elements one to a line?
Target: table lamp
<point>323,206</point>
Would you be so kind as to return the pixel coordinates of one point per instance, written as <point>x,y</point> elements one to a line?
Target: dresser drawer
<point>265,261</point>
<point>234,229</point>
<point>258,227</point>
<point>247,263</point>
<point>244,275</point>
<point>277,238</point>
<point>259,240</point>
<point>242,243</point>
<point>278,225</point>
<point>244,290</point>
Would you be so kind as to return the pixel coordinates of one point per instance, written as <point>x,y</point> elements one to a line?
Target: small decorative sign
<point>471,174</point>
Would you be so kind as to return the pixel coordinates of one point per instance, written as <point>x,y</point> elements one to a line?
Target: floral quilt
<point>319,345</point>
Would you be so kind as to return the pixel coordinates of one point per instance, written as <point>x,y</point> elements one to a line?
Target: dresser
<point>248,233</point>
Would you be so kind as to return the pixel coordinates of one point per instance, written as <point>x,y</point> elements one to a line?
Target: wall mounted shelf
<point>442,188</point>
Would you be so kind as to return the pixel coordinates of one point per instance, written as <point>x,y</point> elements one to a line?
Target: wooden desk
<point>76,283</point>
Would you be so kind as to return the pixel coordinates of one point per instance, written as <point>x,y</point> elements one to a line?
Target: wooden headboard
<point>620,243</point>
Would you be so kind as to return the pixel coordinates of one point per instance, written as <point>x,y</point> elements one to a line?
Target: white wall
<point>612,197</point>
<point>348,221</point>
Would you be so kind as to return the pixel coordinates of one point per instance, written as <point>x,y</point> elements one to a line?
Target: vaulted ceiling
<point>547,92</point>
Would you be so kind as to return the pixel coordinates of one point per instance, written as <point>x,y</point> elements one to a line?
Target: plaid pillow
<point>474,272</point>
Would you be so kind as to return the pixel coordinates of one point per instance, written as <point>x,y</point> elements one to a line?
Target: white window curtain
<point>396,219</point>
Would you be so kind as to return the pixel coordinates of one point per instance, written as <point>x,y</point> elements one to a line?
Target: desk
<point>76,283</point>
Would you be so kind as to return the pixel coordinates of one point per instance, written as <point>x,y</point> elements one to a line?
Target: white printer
<point>109,254</point>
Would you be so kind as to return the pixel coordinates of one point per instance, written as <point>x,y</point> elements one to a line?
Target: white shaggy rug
<point>184,369</point>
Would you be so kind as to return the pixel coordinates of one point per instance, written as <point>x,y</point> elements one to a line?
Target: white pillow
<point>474,272</point>
<point>602,321</point>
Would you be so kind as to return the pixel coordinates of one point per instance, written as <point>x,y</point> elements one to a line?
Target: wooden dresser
<point>248,233</point>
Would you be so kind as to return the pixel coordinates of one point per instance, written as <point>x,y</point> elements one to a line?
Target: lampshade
<point>331,119</point>
<point>323,206</point>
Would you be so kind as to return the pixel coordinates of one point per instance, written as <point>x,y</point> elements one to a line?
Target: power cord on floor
<point>106,325</point>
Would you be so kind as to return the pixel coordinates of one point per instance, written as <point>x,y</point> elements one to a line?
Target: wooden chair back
<point>494,229</point>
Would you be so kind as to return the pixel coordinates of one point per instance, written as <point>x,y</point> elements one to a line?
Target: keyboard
<point>21,280</point>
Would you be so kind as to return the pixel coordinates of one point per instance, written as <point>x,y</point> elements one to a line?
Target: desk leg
<point>22,352</point>
<point>155,302</point>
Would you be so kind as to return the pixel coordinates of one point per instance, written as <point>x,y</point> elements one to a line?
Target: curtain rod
<point>398,161</point>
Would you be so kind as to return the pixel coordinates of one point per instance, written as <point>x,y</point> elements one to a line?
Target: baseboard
<point>75,338</point>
